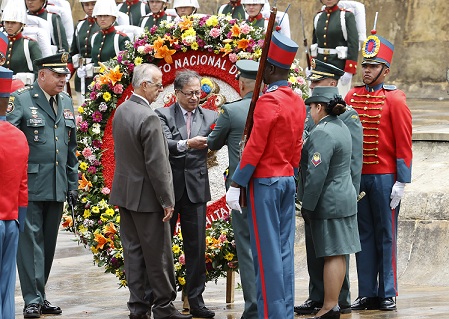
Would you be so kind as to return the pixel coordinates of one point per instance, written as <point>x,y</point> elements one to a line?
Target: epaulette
<point>66,94</point>
<point>232,102</point>
<point>390,87</point>
<point>24,89</point>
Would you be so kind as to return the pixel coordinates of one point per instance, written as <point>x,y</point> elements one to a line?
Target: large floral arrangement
<point>96,221</point>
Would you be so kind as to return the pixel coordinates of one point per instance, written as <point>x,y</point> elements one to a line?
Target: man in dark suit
<point>186,126</point>
<point>45,114</point>
<point>143,190</point>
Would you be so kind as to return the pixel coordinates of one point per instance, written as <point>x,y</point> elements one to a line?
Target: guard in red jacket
<point>267,168</point>
<point>387,165</point>
<point>13,196</point>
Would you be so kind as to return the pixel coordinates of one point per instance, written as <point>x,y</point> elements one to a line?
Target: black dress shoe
<point>365,303</point>
<point>33,310</point>
<point>308,307</point>
<point>345,309</point>
<point>49,309</point>
<point>139,316</point>
<point>202,313</point>
<point>334,313</point>
<point>178,315</point>
<point>387,304</point>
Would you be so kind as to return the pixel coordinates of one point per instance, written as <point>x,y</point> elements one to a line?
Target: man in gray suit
<point>186,126</point>
<point>229,131</point>
<point>143,190</point>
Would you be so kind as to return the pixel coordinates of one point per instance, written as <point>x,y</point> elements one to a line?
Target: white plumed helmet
<point>105,8</point>
<point>254,1</point>
<point>186,3</point>
<point>15,12</point>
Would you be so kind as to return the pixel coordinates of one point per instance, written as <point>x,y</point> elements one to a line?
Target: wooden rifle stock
<point>256,92</point>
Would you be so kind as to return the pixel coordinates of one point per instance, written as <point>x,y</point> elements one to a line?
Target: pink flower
<point>182,259</point>
<point>233,57</point>
<point>78,119</point>
<point>215,33</point>
<point>84,126</point>
<point>118,89</point>
<point>245,29</point>
<point>97,117</point>
<point>300,80</point>
<point>87,152</point>
<point>93,95</point>
<point>105,190</point>
<point>92,170</point>
<point>222,238</point>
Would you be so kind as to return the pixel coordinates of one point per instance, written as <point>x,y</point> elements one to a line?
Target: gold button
<point>56,138</point>
<point>57,151</point>
<point>352,100</point>
<point>325,58</point>
<point>324,36</point>
<point>365,108</point>
<point>325,43</point>
<point>36,132</point>
<point>350,65</point>
<point>56,126</point>
<point>57,163</point>
<point>325,28</point>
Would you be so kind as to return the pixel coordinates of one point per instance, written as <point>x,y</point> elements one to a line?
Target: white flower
<point>96,129</point>
<point>141,49</point>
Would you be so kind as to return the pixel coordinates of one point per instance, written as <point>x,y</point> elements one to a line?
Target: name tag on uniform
<point>68,115</point>
<point>36,121</point>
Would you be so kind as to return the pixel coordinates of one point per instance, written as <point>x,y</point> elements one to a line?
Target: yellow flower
<point>117,219</point>
<point>95,209</point>
<point>229,256</point>
<point>107,96</point>
<point>178,266</point>
<point>110,212</point>
<point>181,281</point>
<point>292,79</point>
<point>83,166</point>
<point>179,235</point>
<point>184,49</point>
<point>80,109</point>
<point>102,204</point>
<point>194,46</point>
<point>212,21</point>
<point>104,217</point>
<point>188,33</point>
<point>138,60</point>
<point>93,249</point>
<point>258,53</point>
<point>209,240</point>
<point>86,213</point>
<point>82,229</point>
<point>84,200</point>
<point>176,249</point>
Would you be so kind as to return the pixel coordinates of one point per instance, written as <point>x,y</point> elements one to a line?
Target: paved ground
<point>84,291</point>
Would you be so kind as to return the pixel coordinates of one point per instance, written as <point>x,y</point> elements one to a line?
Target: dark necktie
<point>53,105</point>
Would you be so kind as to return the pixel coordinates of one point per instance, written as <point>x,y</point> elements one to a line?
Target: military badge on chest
<point>316,159</point>
<point>36,123</point>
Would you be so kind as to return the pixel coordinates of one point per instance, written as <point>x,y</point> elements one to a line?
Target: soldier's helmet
<point>105,8</point>
<point>186,3</point>
<point>15,12</point>
<point>254,1</point>
<point>377,50</point>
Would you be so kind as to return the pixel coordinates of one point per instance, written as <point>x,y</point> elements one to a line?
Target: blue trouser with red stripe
<point>271,217</point>
<point>378,225</point>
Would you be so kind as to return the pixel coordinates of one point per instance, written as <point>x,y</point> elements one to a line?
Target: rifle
<point>306,47</point>
<point>255,97</point>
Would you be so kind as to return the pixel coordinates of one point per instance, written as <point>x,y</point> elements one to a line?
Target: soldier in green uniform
<point>57,31</point>
<point>336,41</point>
<point>107,42</point>
<point>228,131</point>
<point>234,8</point>
<point>45,115</point>
<point>135,9</point>
<point>327,193</point>
<point>253,9</point>
<point>81,45</point>
<point>21,51</point>
<point>324,74</point>
<point>157,14</point>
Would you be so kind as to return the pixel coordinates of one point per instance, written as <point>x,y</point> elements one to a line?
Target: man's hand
<point>168,213</point>
<point>346,78</point>
<point>232,198</point>
<point>397,192</point>
<point>72,197</point>
<point>197,142</point>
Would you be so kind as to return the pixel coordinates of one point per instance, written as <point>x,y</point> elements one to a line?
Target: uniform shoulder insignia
<point>272,88</point>
<point>390,87</point>
<point>24,89</point>
<point>66,94</point>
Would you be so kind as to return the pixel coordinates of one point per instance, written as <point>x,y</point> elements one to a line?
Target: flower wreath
<point>209,45</point>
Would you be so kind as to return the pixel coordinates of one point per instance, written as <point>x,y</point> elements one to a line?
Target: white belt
<point>327,51</point>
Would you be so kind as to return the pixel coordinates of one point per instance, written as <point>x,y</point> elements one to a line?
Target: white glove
<point>232,198</point>
<point>397,192</point>
<point>346,78</point>
<point>308,72</point>
<point>81,72</point>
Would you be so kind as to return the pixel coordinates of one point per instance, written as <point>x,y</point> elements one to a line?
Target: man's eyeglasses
<point>158,85</point>
<point>191,93</point>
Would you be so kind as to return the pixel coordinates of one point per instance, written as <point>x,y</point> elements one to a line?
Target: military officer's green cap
<point>323,94</point>
<point>247,69</point>
<point>56,63</point>
<point>322,70</point>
